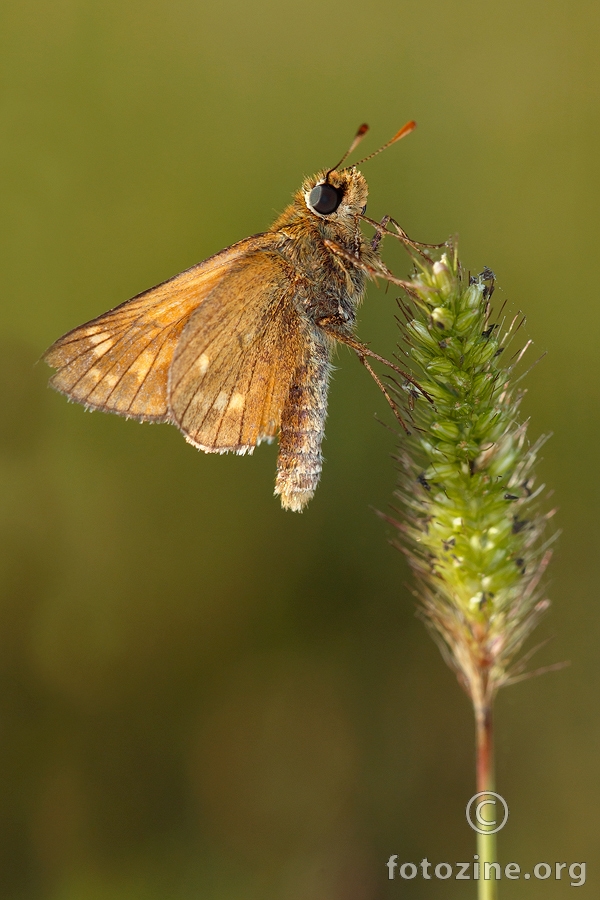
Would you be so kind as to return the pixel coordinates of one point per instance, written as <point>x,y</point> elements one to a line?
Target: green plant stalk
<point>469,521</point>
<point>486,843</point>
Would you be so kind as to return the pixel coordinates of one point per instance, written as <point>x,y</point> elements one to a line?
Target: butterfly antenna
<point>406,129</point>
<point>357,139</point>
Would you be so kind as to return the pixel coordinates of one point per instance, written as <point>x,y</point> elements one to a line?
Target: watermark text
<point>474,871</point>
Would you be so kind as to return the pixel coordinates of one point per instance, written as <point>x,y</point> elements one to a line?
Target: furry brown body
<point>237,349</point>
<point>328,291</point>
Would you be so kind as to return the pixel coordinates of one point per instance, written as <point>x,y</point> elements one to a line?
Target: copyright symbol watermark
<point>492,803</point>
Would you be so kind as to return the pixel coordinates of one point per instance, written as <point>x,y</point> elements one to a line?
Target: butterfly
<point>237,349</point>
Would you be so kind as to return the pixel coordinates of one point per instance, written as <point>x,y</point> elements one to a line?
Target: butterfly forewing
<point>235,360</point>
<point>119,362</point>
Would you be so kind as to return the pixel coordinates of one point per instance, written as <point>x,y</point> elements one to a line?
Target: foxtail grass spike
<point>470,522</point>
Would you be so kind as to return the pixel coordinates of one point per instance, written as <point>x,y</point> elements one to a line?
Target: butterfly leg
<point>375,270</point>
<point>417,245</point>
<point>327,323</point>
<point>363,352</point>
<point>380,231</point>
<point>384,391</point>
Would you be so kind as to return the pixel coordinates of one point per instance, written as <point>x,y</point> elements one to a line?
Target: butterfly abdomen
<point>303,417</point>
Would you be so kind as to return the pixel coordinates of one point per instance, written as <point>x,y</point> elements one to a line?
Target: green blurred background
<point>201,695</point>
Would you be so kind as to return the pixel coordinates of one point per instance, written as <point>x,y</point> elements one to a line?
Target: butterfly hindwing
<point>236,357</point>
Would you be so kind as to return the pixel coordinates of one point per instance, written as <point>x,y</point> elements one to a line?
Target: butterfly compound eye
<point>325,199</point>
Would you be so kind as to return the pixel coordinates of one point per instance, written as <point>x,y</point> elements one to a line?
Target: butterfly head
<point>336,195</point>
<point>341,194</point>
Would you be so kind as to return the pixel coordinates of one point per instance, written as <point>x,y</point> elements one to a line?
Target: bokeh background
<point>200,695</point>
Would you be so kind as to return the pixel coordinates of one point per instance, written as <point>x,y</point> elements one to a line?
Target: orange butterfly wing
<point>212,350</point>
<point>235,360</point>
<point>119,362</point>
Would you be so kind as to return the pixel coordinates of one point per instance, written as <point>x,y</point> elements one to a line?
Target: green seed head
<point>472,525</point>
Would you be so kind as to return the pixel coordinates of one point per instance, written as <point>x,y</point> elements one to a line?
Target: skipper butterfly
<point>236,350</point>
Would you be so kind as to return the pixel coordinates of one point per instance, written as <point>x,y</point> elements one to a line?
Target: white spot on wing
<point>221,401</point>
<point>238,401</point>
<point>143,364</point>
<point>97,338</point>
<point>203,363</point>
<point>101,348</point>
